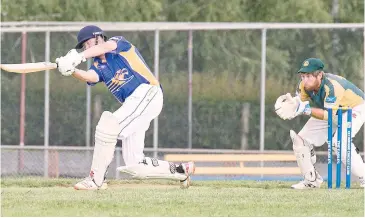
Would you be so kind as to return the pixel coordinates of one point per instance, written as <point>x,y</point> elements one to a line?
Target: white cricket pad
<point>357,163</point>
<point>303,152</point>
<point>106,135</point>
<point>151,168</point>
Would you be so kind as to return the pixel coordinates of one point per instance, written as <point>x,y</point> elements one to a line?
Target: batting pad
<point>106,135</point>
<point>152,168</point>
<point>303,155</point>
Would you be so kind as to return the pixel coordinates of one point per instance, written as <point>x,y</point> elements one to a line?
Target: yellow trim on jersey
<point>338,90</point>
<point>350,99</point>
<point>325,115</point>
<point>325,112</point>
<point>303,95</point>
<point>138,65</point>
<point>326,90</point>
<point>344,97</point>
<point>347,98</point>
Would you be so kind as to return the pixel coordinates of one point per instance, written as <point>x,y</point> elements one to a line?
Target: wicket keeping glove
<point>285,106</point>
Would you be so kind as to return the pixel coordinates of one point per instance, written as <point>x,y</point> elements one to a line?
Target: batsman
<point>118,64</point>
<point>323,90</point>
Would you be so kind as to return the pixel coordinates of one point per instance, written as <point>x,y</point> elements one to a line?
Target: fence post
<point>262,90</point>
<point>22,105</point>
<point>190,86</point>
<point>245,120</point>
<point>262,94</point>
<point>47,158</point>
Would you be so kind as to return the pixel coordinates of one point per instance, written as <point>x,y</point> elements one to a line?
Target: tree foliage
<point>226,63</point>
<point>182,10</point>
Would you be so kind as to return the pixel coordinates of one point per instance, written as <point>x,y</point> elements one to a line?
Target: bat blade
<point>28,67</point>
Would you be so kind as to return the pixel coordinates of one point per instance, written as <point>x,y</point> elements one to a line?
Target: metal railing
<point>156,27</point>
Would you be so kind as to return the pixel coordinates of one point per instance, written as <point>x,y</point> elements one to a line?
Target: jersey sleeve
<point>122,44</point>
<point>95,68</point>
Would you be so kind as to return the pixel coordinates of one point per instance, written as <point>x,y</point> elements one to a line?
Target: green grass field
<point>56,197</point>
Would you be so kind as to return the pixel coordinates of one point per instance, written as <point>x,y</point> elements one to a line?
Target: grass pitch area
<point>56,197</point>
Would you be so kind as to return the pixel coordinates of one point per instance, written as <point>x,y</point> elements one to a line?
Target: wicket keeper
<point>318,87</point>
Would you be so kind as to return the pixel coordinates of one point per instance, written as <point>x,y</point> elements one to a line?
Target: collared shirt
<point>124,69</point>
<point>345,93</point>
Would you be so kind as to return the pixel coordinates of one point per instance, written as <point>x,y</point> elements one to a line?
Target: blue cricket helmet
<point>87,33</point>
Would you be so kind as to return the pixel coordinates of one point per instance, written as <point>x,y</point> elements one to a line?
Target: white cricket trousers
<point>315,132</point>
<point>134,117</point>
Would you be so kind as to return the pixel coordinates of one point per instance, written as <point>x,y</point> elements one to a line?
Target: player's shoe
<point>189,169</point>
<point>89,184</point>
<point>308,185</point>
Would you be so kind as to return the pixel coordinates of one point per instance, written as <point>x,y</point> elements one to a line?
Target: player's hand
<point>65,66</point>
<point>303,108</point>
<point>285,106</point>
<point>74,57</point>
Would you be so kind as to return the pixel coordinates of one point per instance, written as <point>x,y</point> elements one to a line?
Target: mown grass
<point>56,197</point>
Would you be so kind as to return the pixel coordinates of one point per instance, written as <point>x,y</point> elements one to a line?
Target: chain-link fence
<point>75,162</point>
<point>220,83</point>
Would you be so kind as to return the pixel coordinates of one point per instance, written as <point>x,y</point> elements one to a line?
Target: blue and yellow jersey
<point>124,69</point>
<point>335,87</point>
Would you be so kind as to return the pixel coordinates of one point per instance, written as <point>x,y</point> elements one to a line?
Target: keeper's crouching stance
<point>119,65</point>
<point>317,86</point>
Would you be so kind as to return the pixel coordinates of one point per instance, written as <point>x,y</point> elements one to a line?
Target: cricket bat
<point>28,67</point>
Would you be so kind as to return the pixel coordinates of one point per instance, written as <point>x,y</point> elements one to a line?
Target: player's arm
<point>314,112</point>
<point>286,107</point>
<point>319,113</point>
<point>100,49</point>
<point>301,102</point>
<point>67,64</point>
<point>88,76</point>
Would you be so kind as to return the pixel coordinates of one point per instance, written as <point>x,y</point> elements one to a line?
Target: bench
<point>234,164</point>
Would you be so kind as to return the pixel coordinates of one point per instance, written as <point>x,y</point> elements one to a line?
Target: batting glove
<point>65,66</point>
<point>75,58</point>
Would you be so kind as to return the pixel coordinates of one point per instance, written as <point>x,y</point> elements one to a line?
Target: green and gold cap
<point>311,65</point>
